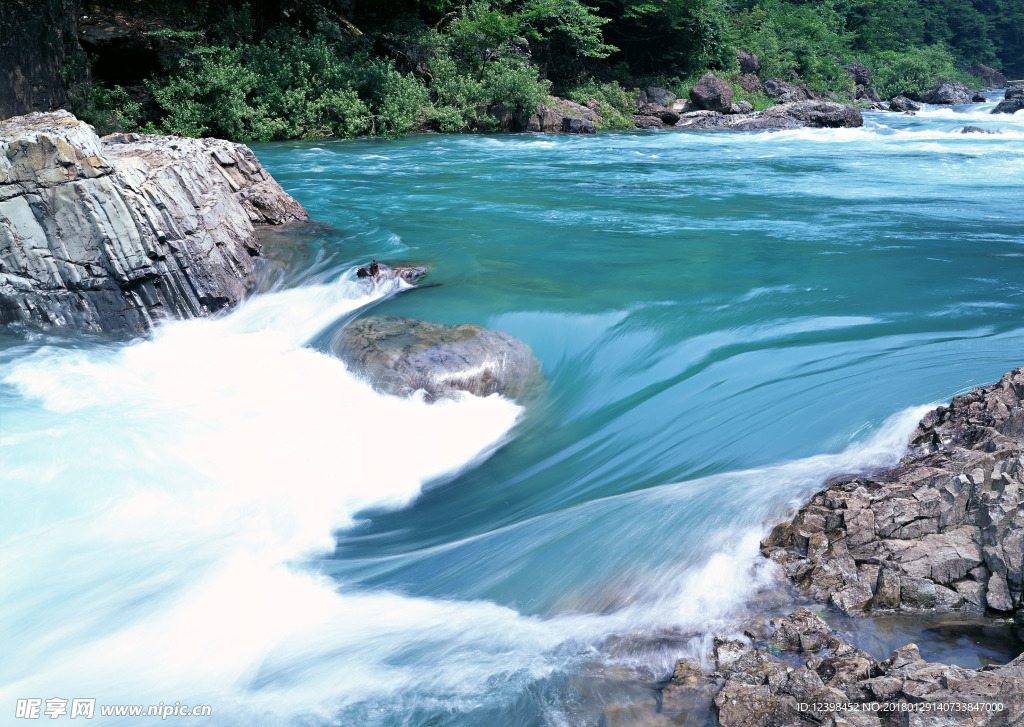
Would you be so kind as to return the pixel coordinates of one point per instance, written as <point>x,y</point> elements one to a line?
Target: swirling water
<point>221,514</point>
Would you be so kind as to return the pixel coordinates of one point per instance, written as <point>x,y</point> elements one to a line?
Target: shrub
<point>915,71</point>
<point>617,104</point>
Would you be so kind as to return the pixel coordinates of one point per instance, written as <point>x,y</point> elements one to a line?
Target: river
<point>222,515</point>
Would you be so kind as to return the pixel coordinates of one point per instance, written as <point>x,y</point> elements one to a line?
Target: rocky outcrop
<point>712,94</point>
<point>815,114</point>
<point>989,77</point>
<point>400,356</point>
<point>37,43</point>
<point>942,532</point>
<point>655,95</point>
<point>859,74</point>
<point>111,234</point>
<point>558,115</point>
<point>796,671</point>
<point>903,104</point>
<point>949,93</point>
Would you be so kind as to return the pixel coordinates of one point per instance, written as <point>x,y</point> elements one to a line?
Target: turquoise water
<point>223,515</point>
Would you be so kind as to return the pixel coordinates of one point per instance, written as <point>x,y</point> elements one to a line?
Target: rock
<point>1010,106</point>
<point>867,93</point>
<point>989,77</point>
<point>749,83</point>
<point>559,115</point>
<point>668,116</point>
<point>903,104</point>
<point>648,122</point>
<point>941,532</point>
<point>859,74</point>
<point>1014,89</point>
<point>978,98</point>
<point>38,43</point>
<point>401,355</point>
<point>659,96</point>
<point>712,93</point>
<point>975,130</point>
<point>784,92</point>
<point>815,114</point>
<point>948,93</point>
<point>750,64</point>
<point>381,273</point>
<point>741,107</point>
<point>112,234</point>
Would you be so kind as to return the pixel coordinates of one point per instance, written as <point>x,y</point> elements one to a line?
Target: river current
<point>222,514</point>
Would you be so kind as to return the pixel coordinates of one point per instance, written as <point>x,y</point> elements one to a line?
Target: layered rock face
<point>111,234</point>
<point>402,355</point>
<point>943,532</point>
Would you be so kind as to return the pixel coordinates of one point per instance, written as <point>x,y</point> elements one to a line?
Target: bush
<point>617,104</point>
<point>915,71</point>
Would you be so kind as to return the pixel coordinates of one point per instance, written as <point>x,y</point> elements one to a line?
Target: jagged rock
<point>785,93</point>
<point>859,74</point>
<point>942,532</point>
<point>648,122</point>
<point>401,355</point>
<point>903,104</point>
<point>976,130</point>
<point>989,77</point>
<point>750,64</point>
<point>978,98</point>
<point>948,93</point>
<point>741,107</point>
<point>376,273</point>
<point>111,234</point>
<point>867,93</point>
<point>668,116</point>
<point>712,93</point>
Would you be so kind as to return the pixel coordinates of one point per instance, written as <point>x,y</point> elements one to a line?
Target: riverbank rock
<point>796,671</point>
<point>948,93</point>
<point>815,114</point>
<point>989,77</point>
<point>785,93</point>
<point>1013,100</point>
<point>712,93</point>
<point>111,234</point>
<point>942,532</point>
<point>903,104</point>
<point>401,355</point>
<point>556,116</point>
<point>859,74</point>
<point>749,63</point>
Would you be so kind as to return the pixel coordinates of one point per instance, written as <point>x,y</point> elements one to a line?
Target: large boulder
<point>859,74</point>
<point>112,234</point>
<point>558,115</point>
<point>1009,106</point>
<point>948,93</point>
<point>989,77</point>
<point>1014,89</point>
<point>401,355</point>
<point>749,63</point>
<point>37,44</point>
<point>712,93</point>
<point>784,92</point>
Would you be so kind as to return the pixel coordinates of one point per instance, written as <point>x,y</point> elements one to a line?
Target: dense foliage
<point>282,69</point>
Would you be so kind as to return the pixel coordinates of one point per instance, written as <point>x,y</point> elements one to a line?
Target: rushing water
<point>222,515</point>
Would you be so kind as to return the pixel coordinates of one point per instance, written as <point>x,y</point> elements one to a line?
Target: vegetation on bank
<point>292,69</point>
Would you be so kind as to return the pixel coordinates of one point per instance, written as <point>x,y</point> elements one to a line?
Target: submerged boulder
<point>402,355</point>
<point>111,234</point>
<point>1009,106</point>
<point>375,272</point>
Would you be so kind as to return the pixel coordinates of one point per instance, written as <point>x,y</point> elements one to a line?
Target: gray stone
<point>401,355</point>
<point>949,93</point>
<point>712,93</point>
<point>114,234</point>
<point>989,77</point>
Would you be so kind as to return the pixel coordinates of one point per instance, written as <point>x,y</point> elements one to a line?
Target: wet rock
<point>377,273</point>
<point>903,104</point>
<point>112,234</point>
<point>712,93</point>
<point>401,355</point>
<point>1014,89</point>
<point>978,98</point>
<point>815,114</point>
<point>976,130</point>
<point>750,64</point>
<point>1009,106</point>
<point>942,532</point>
<point>948,93</point>
<point>989,77</point>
